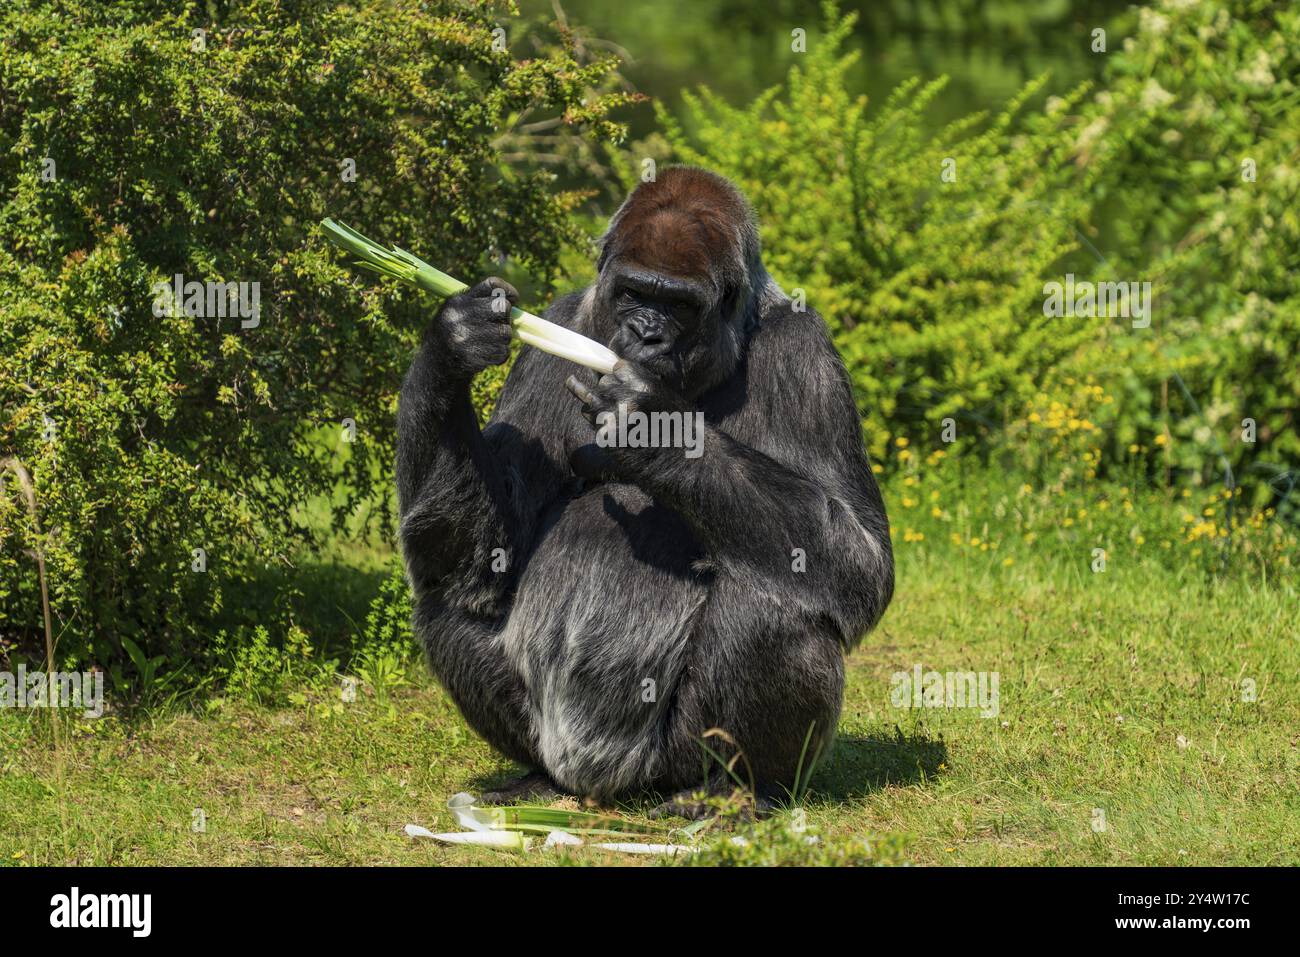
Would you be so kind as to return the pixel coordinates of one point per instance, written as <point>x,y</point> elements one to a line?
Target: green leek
<point>397,263</point>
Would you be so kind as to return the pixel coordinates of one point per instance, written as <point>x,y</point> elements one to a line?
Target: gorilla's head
<point>680,276</point>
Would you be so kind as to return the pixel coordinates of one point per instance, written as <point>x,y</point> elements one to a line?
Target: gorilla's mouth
<point>667,364</point>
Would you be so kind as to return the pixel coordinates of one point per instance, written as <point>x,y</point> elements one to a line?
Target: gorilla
<point>595,609</point>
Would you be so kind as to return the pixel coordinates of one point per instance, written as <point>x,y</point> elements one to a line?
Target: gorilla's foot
<point>533,786</point>
<point>697,805</point>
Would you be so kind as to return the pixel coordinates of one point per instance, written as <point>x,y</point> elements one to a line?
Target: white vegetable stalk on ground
<point>510,828</point>
<point>532,330</point>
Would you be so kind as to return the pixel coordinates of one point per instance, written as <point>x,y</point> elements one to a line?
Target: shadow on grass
<point>333,600</point>
<point>326,598</point>
<point>859,765</point>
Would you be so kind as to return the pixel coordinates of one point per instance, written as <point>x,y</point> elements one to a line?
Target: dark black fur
<point>654,566</point>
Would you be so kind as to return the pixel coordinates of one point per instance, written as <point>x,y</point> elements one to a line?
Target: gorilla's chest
<point>611,556</point>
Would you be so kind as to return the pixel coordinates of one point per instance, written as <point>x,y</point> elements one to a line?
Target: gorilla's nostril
<point>649,331</point>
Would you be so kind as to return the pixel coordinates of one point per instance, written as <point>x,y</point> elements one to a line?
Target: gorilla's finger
<point>634,375</point>
<point>499,293</point>
<point>485,288</point>
<point>590,461</point>
<point>584,395</point>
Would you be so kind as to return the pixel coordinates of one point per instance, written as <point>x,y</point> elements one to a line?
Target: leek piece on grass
<point>506,840</point>
<point>544,820</point>
<point>669,850</point>
<point>397,263</point>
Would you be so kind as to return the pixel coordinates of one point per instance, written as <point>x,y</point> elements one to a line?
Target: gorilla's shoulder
<point>564,310</point>
<point>782,325</point>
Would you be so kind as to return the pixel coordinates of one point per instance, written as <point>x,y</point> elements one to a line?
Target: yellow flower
<point>1162,439</point>
<point>901,441</point>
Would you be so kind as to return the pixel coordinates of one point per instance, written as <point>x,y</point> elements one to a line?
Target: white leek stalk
<point>507,840</point>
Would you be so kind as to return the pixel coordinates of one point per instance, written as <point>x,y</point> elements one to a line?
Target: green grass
<point>1119,690</point>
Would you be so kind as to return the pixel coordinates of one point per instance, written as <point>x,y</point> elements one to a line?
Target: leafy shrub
<point>383,653</point>
<point>1194,142</point>
<point>933,285</point>
<point>388,623</point>
<point>134,148</point>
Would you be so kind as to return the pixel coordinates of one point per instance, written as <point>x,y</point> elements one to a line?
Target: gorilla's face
<point>671,325</point>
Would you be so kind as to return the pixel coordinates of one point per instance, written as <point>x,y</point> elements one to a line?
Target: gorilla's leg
<point>763,736</point>
<point>469,658</point>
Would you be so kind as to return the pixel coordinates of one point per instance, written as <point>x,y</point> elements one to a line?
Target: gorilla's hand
<point>631,386</point>
<point>473,327</point>
<point>630,389</point>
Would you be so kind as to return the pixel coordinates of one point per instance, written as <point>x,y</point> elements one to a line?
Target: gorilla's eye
<point>626,299</point>
<point>683,311</point>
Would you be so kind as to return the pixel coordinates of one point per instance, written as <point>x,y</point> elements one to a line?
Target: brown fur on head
<point>693,227</point>
<point>683,223</point>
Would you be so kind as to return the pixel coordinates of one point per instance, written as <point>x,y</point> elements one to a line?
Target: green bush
<point>1195,144</point>
<point>133,148</point>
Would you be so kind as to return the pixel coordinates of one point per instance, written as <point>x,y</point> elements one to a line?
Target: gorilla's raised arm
<point>456,498</point>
